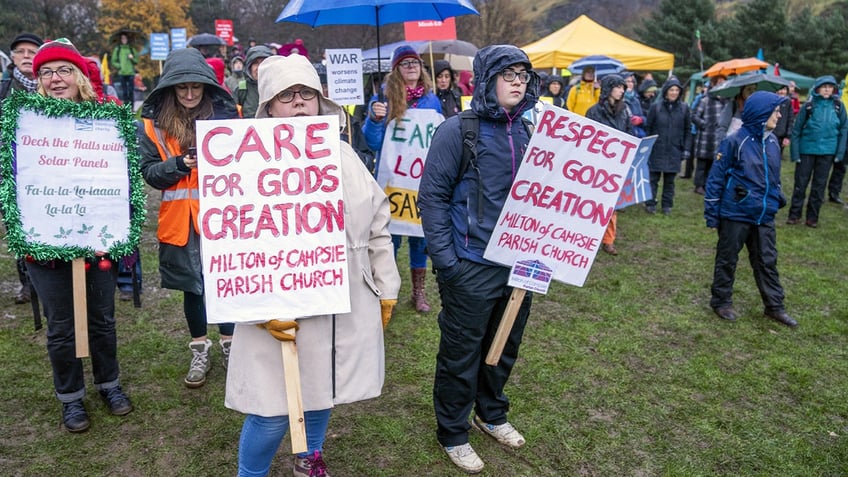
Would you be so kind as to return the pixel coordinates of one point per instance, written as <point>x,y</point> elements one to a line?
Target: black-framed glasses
<point>409,64</point>
<point>62,71</point>
<point>509,75</point>
<point>287,96</point>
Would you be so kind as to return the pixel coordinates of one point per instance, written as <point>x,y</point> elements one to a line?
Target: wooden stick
<point>80,307</point>
<point>508,319</point>
<point>297,425</point>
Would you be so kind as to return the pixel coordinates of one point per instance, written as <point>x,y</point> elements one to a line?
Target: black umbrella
<point>205,39</point>
<point>132,35</point>
<point>734,85</point>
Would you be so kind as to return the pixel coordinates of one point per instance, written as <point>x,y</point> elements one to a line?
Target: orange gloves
<point>278,329</point>
<point>386,308</point>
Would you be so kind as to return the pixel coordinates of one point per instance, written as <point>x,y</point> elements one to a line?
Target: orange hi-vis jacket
<point>179,201</point>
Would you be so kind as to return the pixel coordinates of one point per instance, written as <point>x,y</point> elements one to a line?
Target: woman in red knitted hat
<point>62,74</point>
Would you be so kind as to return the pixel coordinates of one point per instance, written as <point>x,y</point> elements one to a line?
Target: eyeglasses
<point>287,96</point>
<point>509,75</point>
<point>410,64</point>
<point>47,73</point>
<point>24,52</point>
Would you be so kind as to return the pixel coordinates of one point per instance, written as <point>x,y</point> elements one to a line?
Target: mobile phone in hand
<point>192,151</point>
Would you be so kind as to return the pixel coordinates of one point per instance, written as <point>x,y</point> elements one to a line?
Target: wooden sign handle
<point>80,307</point>
<point>508,319</point>
<point>297,424</point>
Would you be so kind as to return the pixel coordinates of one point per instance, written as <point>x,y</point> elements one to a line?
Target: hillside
<point>623,15</point>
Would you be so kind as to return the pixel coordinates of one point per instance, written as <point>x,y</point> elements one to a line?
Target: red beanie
<point>59,50</point>
<point>218,67</point>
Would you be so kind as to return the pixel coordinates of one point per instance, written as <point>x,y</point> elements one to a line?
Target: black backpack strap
<point>470,129</point>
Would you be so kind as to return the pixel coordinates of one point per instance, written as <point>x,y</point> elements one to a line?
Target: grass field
<point>630,375</point>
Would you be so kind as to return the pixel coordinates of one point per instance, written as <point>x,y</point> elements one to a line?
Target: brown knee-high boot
<point>419,299</point>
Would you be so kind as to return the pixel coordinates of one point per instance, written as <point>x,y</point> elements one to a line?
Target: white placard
<point>72,181</point>
<point>272,218</point>
<point>563,196</point>
<point>344,76</point>
<point>402,157</point>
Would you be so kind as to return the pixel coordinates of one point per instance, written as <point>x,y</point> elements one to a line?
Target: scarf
<point>414,93</point>
<point>29,84</point>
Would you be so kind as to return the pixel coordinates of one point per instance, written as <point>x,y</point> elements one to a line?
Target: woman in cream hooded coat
<point>341,357</point>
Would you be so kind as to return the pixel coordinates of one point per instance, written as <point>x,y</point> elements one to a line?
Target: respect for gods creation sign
<point>272,218</point>
<point>563,196</point>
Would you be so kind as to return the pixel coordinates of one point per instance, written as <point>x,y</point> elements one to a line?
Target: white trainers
<point>503,433</point>
<point>465,458</point>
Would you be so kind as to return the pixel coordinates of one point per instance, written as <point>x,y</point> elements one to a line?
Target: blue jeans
<point>261,437</point>
<point>53,284</point>
<point>417,250</point>
<point>126,266</point>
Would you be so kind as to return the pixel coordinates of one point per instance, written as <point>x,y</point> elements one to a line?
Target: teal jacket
<point>121,63</point>
<point>821,131</point>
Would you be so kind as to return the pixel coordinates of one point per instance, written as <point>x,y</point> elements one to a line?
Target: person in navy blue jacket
<point>407,86</point>
<point>743,194</point>
<point>459,210</point>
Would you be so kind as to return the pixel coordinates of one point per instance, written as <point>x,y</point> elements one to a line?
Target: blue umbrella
<point>376,13</point>
<point>603,65</point>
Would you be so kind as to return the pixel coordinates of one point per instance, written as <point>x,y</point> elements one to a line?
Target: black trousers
<point>702,171</point>
<point>761,241</point>
<point>834,186</point>
<point>812,171</point>
<point>54,286</point>
<point>473,301</point>
<point>668,188</point>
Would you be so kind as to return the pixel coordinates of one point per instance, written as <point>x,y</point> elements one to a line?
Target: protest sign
<point>405,147</point>
<point>70,174</point>
<point>344,76</point>
<point>637,185</point>
<point>272,218</point>
<point>563,196</point>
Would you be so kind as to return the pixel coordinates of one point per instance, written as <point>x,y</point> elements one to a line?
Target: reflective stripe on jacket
<point>178,201</point>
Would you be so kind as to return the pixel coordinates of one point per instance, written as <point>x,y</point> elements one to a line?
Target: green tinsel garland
<point>52,107</point>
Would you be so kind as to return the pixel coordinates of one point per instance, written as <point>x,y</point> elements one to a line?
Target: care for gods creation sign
<point>402,157</point>
<point>562,198</point>
<point>72,179</point>
<point>272,218</point>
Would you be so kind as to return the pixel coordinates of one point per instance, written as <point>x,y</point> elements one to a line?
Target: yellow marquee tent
<point>584,37</point>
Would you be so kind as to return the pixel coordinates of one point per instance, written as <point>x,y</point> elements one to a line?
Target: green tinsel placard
<point>20,243</point>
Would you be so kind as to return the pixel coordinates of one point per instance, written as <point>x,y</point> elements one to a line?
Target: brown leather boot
<point>419,299</point>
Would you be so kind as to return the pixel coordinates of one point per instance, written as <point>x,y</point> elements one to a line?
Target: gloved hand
<point>386,308</point>
<point>636,120</point>
<point>278,329</point>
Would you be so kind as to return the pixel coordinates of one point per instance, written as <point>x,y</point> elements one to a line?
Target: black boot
<point>74,417</point>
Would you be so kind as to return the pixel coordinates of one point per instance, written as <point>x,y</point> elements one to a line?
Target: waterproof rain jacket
<point>456,225</point>
<point>179,248</point>
<point>744,182</point>
<point>822,131</point>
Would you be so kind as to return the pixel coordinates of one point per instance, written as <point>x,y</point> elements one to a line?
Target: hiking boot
<point>726,313</point>
<point>464,457</point>
<point>310,466</point>
<point>503,433</point>
<point>225,350</point>
<point>782,317</point>
<point>419,299</point>
<point>74,417</point>
<point>200,364</point>
<point>651,209</point>
<point>609,248</point>
<point>118,402</point>
<point>793,221</point>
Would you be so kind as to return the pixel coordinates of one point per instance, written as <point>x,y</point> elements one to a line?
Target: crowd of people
<point>732,148</point>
